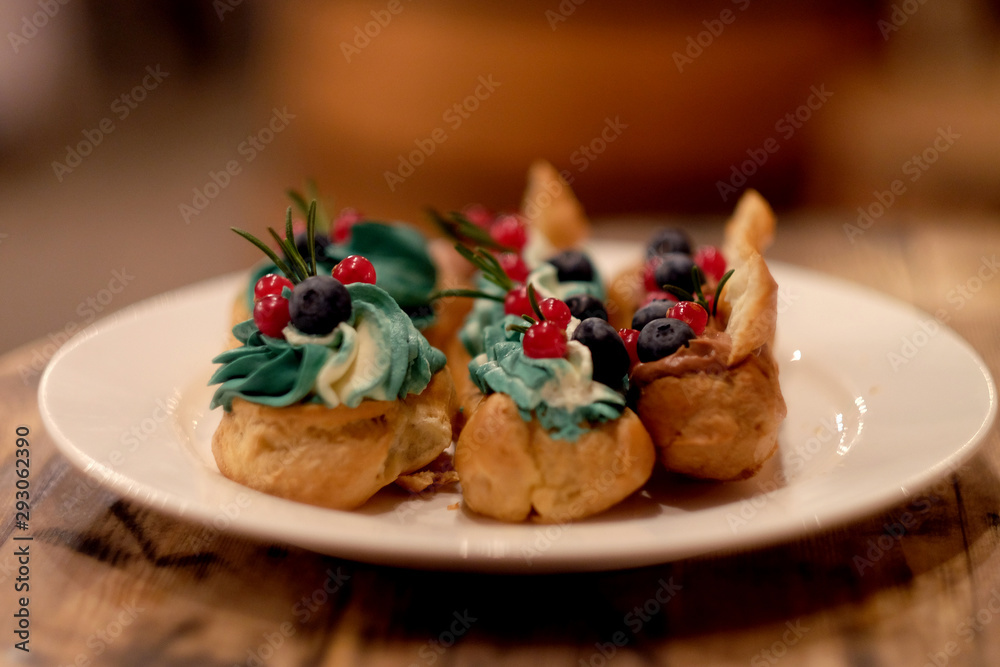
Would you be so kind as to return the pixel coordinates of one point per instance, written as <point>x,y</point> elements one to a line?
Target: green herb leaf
<point>311,235</point>
<point>471,293</point>
<point>273,256</point>
<point>294,258</point>
<point>718,290</point>
<point>533,300</point>
<point>458,228</point>
<point>298,200</point>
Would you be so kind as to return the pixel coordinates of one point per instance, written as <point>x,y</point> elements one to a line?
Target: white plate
<point>881,402</point>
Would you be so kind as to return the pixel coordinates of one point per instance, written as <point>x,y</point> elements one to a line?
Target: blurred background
<point>132,135</point>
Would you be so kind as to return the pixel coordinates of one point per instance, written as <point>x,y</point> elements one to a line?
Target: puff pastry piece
<point>512,470</point>
<point>714,408</point>
<point>334,457</point>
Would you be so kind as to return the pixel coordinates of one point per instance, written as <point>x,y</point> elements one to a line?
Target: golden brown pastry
<point>334,457</point>
<point>714,406</point>
<point>513,470</point>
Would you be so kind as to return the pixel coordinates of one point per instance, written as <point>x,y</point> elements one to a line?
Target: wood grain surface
<point>115,583</point>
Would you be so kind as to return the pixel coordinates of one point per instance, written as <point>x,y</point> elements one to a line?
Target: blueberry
<point>318,304</point>
<point>675,269</point>
<point>607,350</point>
<point>669,239</point>
<point>663,337</point>
<point>653,310</point>
<point>302,245</point>
<point>583,306</point>
<point>572,265</point>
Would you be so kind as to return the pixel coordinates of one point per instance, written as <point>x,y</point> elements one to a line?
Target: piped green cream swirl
<point>561,393</point>
<point>376,354</point>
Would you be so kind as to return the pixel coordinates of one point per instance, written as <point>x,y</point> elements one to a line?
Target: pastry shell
<point>334,457</point>
<point>513,470</point>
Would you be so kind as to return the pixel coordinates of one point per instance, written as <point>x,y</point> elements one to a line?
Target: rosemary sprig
<point>310,234</point>
<point>294,256</point>
<point>698,280</point>
<point>267,251</point>
<point>533,300</point>
<point>469,293</point>
<point>296,268</point>
<point>459,229</point>
<point>718,289</point>
<point>304,202</point>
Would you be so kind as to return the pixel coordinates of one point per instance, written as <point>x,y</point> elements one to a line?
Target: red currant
<point>631,339</point>
<point>649,275</point>
<point>513,266</point>
<point>555,311</point>
<point>545,340</point>
<point>270,314</point>
<point>354,269</point>
<point>508,230</point>
<point>272,283</point>
<point>658,295</point>
<point>342,225</point>
<point>694,315</point>
<point>517,302</point>
<point>479,215</point>
<point>710,260</point>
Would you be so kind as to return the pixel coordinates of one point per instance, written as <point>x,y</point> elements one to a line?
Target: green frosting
<point>533,383</point>
<point>403,267</point>
<point>377,354</point>
<point>486,312</point>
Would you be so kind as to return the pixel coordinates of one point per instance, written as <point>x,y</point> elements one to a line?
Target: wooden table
<point>114,583</point>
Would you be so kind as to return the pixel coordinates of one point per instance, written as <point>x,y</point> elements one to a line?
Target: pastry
<point>705,384</point>
<point>550,438</point>
<point>332,393</point>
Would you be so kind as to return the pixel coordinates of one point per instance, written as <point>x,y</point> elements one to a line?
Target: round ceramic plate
<point>880,404</point>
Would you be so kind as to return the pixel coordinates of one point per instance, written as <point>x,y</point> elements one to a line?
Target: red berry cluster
<point>270,308</point>
<point>546,338</point>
